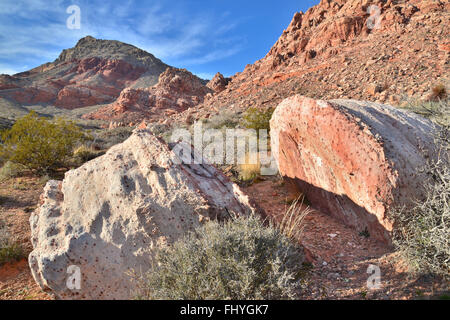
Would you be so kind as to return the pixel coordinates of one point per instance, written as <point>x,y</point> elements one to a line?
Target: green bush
<point>238,259</point>
<point>256,118</point>
<point>40,144</point>
<point>422,232</point>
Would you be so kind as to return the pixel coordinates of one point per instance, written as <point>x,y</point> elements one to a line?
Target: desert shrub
<point>105,139</point>
<point>238,259</point>
<point>158,129</point>
<point>256,118</point>
<point>225,119</point>
<point>421,233</point>
<point>10,251</point>
<point>44,179</point>
<point>40,144</point>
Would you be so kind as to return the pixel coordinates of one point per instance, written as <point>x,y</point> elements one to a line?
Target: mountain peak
<point>84,40</point>
<point>90,47</point>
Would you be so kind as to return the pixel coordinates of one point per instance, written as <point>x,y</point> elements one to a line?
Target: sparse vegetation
<point>224,119</point>
<point>438,92</point>
<point>437,111</point>
<point>238,259</point>
<point>105,139</point>
<point>10,251</point>
<point>86,153</point>
<point>365,233</point>
<point>421,233</point>
<point>40,144</point>
<point>10,170</point>
<point>250,170</point>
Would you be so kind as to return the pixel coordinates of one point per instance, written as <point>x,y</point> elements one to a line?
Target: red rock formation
<point>176,91</point>
<point>93,72</point>
<point>352,159</point>
<point>334,22</point>
<point>218,83</point>
<point>330,52</point>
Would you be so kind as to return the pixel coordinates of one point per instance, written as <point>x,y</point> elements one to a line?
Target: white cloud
<point>35,30</point>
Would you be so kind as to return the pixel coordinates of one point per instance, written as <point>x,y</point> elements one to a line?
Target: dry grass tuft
<point>292,223</point>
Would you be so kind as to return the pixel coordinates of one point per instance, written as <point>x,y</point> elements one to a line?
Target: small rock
<point>373,89</point>
<point>332,235</point>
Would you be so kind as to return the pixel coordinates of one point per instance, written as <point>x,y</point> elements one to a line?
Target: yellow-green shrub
<point>40,144</point>
<point>256,118</point>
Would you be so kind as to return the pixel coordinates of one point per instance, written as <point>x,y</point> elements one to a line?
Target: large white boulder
<point>108,216</point>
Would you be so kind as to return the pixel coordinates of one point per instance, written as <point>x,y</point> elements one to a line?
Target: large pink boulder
<point>352,159</point>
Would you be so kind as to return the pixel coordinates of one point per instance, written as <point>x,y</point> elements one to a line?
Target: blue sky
<point>202,36</point>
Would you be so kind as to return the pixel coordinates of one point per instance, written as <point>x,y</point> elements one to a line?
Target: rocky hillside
<point>388,51</point>
<point>93,72</point>
<point>342,49</point>
<point>176,91</point>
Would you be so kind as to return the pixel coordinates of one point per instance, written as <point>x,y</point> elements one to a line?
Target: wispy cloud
<point>34,31</point>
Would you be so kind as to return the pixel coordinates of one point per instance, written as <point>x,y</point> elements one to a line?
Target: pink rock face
<point>88,82</point>
<point>352,159</point>
<point>334,22</point>
<point>326,25</point>
<point>176,91</point>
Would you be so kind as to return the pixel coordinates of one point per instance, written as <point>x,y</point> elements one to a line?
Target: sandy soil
<point>19,198</point>
<point>341,256</point>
